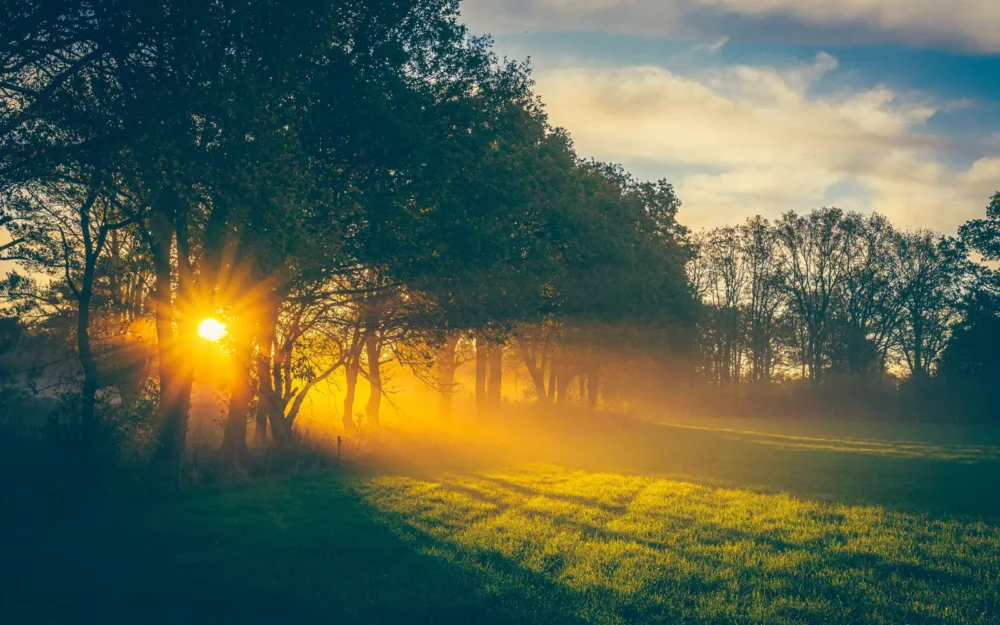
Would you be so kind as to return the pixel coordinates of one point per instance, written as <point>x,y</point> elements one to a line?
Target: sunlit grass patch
<point>628,548</point>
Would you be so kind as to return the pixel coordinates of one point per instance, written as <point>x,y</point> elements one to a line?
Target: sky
<point>763,106</point>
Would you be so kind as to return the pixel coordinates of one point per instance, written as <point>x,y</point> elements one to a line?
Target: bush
<point>124,430</point>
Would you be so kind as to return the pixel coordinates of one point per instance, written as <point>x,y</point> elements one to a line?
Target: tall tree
<point>61,226</point>
<point>811,254</point>
<point>869,300</point>
<point>932,275</point>
<point>764,297</point>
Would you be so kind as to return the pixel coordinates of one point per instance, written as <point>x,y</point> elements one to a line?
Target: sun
<point>211,329</point>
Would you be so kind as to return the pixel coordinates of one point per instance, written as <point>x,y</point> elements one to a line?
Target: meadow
<point>697,521</point>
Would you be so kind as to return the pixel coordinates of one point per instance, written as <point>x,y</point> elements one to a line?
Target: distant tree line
<point>847,304</point>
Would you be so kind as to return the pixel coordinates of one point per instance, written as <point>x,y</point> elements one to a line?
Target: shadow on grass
<point>660,523</point>
<point>709,533</point>
<point>677,552</point>
<point>297,551</point>
<point>535,545</point>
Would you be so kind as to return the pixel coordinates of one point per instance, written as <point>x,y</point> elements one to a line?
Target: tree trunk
<point>234,436</point>
<point>172,409</point>
<point>352,365</point>
<point>277,379</point>
<point>535,372</point>
<point>494,391</point>
<point>816,370</point>
<point>91,382</point>
<point>481,366</point>
<point>351,373</point>
<point>562,389</point>
<point>446,376</point>
<point>260,421</point>
<point>553,378</point>
<point>88,398</point>
<point>374,352</point>
<point>564,378</point>
<point>269,409</point>
<point>593,386</point>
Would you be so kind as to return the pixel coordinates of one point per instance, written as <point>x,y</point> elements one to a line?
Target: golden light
<point>211,329</point>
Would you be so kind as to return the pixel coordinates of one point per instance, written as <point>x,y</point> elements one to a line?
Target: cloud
<point>965,24</point>
<point>741,139</point>
<point>712,47</point>
<point>972,23</point>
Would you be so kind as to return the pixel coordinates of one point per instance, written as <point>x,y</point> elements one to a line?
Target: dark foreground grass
<point>722,522</point>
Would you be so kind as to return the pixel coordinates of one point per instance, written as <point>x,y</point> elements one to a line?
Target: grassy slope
<point>697,522</point>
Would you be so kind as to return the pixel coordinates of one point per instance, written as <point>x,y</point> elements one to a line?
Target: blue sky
<point>761,106</point>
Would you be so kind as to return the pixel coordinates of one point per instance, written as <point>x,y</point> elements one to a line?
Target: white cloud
<point>984,171</point>
<point>746,139</point>
<point>968,24</point>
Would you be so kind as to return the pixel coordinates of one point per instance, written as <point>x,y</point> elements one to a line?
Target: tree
<point>868,304</point>
<point>61,226</point>
<point>933,272</point>
<point>726,274</point>
<point>811,256</point>
<point>983,235</point>
<point>764,297</point>
<point>970,363</point>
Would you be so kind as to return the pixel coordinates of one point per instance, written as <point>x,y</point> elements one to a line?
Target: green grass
<point>703,521</point>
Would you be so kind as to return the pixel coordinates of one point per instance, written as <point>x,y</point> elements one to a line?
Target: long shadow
<point>709,533</point>
<point>573,499</point>
<point>308,550</point>
<point>858,601</point>
<point>299,551</point>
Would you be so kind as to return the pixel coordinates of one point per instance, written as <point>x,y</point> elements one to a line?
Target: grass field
<point>704,521</point>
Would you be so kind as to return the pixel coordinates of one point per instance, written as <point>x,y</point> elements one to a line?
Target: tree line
<point>344,183</point>
<point>352,183</point>
<point>834,298</point>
